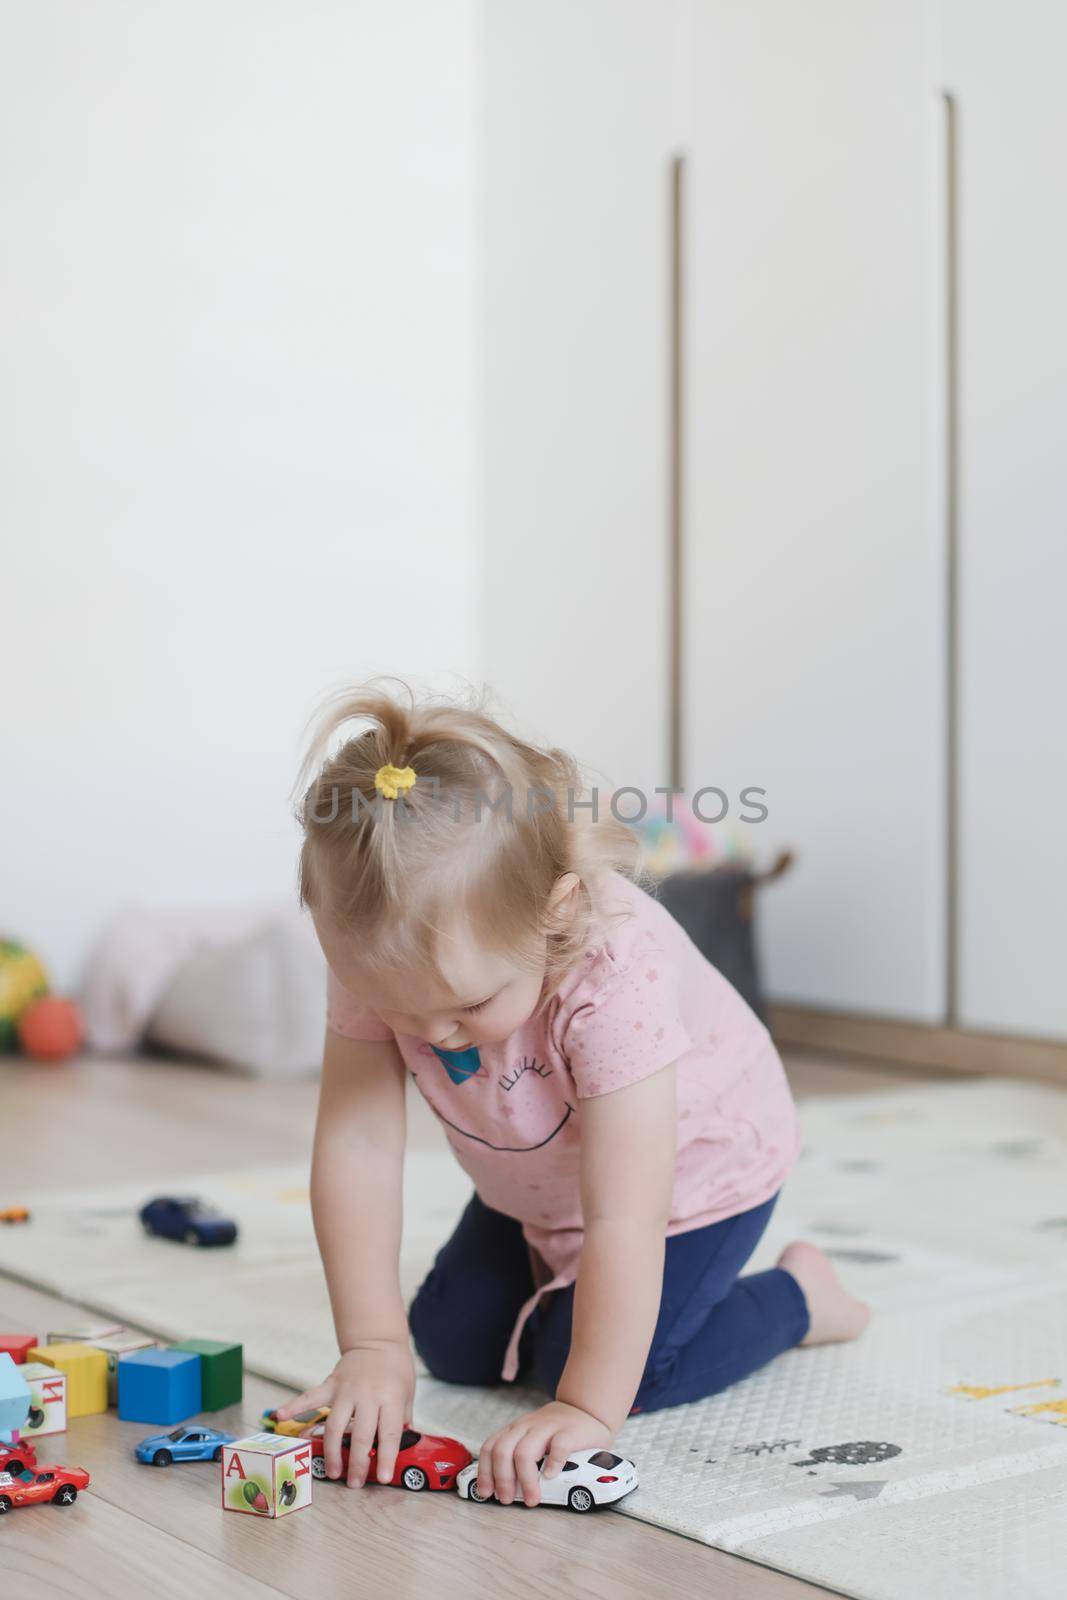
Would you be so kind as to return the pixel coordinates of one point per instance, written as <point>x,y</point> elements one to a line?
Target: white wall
<point>585,106</point>
<point>238,422</point>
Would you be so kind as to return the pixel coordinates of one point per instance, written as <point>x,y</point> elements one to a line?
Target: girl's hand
<point>552,1432</point>
<point>371,1388</point>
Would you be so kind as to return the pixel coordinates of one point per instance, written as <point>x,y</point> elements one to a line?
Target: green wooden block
<point>221,1371</point>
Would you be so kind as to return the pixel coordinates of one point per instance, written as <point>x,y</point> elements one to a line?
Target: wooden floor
<point>141,1532</point>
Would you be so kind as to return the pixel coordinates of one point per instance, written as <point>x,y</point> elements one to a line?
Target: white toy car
<point>589,1478</point>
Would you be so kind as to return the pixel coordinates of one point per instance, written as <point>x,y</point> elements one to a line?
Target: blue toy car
<point>190,1221</point>
<point>190,1442</point>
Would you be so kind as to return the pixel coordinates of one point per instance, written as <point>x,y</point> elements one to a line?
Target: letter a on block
<point>235,1467</point>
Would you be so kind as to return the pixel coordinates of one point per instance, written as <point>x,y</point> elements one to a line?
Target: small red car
<point>14,1457</point>
<point>58,1484</point>
<point>424,1460</point>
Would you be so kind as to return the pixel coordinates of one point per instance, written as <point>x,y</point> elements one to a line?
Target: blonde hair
<point>486,831</point>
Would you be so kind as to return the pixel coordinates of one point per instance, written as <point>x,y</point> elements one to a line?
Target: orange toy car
<point>424,1460</point>
<point>59,1485</point>
<point>14,1214</point>
<point>15,1458</point>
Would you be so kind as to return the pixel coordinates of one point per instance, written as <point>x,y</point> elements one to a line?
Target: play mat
<point>928,1458</point>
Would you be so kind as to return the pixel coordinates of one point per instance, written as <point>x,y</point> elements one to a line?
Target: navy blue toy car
<point>191,1442</point>
<point>188,1221</point>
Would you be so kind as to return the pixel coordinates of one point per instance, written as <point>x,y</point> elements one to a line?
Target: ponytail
<point>462,839</point>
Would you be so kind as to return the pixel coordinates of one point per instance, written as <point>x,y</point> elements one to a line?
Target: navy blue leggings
<point>714,1327</point>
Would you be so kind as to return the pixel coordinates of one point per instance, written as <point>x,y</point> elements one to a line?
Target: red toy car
<point>58,1484</point>
<point>14,1457</point>
<point>424,1460</point>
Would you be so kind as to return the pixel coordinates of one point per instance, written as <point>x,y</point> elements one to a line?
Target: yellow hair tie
<point>393,781</point>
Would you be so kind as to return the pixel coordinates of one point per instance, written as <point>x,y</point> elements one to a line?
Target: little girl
<point>623,1115</point>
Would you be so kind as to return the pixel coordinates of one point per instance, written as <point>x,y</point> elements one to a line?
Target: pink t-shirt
<point>644,997</point>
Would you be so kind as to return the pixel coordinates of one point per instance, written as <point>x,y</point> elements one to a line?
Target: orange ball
<point>50,1029</point>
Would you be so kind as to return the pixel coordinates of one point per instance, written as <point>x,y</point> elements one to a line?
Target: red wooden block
<point>17,1344</point>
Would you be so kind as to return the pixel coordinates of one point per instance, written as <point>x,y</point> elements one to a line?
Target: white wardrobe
<point>1004,63</point>
<point>814,544</point>
<point>874,384</point>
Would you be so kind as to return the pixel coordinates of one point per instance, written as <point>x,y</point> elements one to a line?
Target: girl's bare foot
<point>834,1314</point>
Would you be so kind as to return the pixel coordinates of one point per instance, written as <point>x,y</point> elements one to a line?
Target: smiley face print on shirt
<point>521,1110</point>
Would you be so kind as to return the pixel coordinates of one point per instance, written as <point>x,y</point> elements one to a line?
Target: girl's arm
<point>629,1146</point>
<point>356,1200</point>
<point>628,1151</point>
<point>357,1168</point>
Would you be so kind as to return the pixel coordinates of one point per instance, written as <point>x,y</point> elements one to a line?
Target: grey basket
<point>717,910</point>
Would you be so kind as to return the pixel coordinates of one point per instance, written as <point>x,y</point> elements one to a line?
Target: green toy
<point>22,981</point>
<point>221,1371</point>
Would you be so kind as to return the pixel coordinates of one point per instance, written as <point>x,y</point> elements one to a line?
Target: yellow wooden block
<point>86,1370</point>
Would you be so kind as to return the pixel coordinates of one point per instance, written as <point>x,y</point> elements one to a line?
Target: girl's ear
<point>563,901</point>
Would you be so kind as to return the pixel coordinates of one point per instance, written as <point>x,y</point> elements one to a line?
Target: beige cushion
<point>256,1003</point>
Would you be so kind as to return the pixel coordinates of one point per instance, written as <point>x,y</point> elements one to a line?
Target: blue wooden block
<point>14,1394</point>
<point>159,1386</point>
